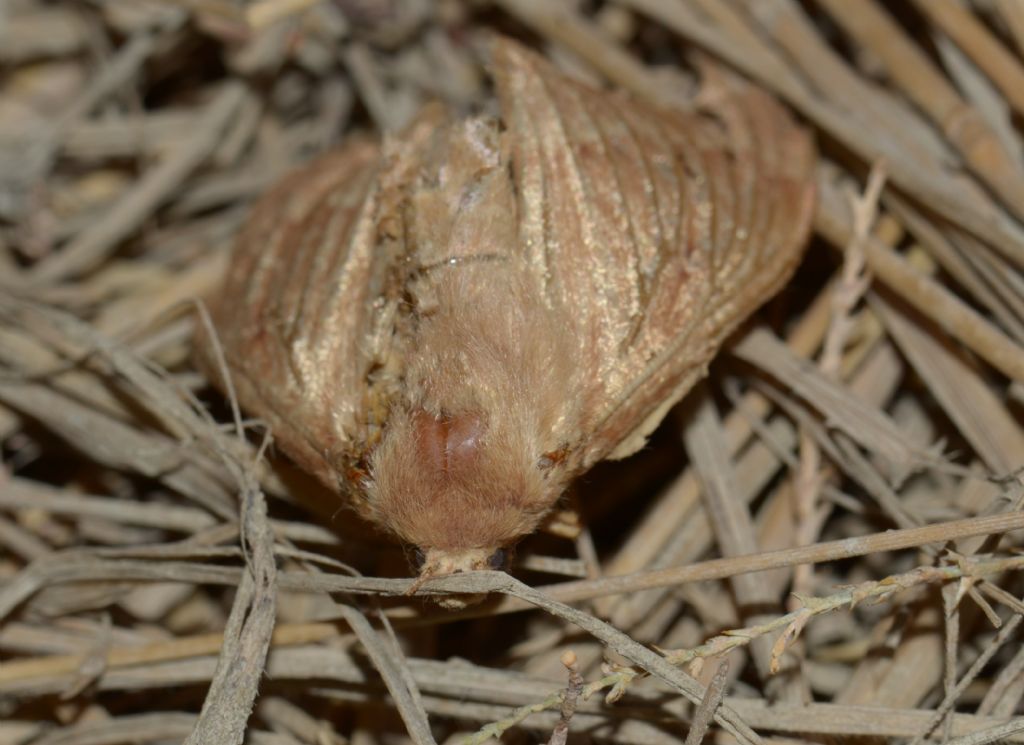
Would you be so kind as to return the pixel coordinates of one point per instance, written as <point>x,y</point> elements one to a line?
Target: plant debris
<point>820,541</point>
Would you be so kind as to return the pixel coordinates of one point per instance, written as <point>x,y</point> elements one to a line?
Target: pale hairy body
<point>449,327</point>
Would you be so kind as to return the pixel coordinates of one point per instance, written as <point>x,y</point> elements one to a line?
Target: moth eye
<point>418,558</point>
<point>498,560</point>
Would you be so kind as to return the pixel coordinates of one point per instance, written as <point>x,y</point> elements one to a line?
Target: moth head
<point>431,563</point>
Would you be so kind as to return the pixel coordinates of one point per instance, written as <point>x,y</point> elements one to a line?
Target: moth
<point>449,326</point>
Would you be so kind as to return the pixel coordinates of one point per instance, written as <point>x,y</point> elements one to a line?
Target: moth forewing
<point>426,324</point>
<point>295,309</point>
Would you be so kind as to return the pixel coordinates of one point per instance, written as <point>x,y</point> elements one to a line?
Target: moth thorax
<point>448,444</point>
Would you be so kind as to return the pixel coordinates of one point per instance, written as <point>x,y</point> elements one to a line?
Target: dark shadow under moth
<point>449,326</point>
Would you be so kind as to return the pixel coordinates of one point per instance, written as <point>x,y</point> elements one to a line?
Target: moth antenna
<point>460,260</point>
<point>418,583</point>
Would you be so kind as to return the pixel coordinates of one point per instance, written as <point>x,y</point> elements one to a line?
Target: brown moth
<point>448,327</point>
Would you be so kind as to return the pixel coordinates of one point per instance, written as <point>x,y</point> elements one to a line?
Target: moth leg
<point>564,523</point>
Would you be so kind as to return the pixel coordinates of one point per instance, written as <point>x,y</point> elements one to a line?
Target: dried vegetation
<point>820,544</point>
